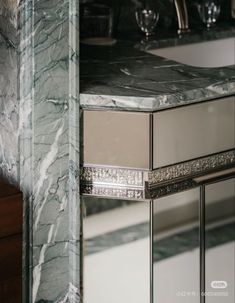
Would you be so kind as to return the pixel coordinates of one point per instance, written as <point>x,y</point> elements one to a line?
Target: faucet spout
<point>182,15</point>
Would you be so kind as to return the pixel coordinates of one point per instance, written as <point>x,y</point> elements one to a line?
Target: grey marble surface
<point>39,140</point>
<point>49,146</point>
<point>123,77</point>
<point>9,107</point>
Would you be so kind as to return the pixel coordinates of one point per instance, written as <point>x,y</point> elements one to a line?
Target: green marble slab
<point>125,77</point>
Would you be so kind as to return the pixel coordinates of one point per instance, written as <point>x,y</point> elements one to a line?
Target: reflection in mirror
<point>116,251</point>
<point>176,248</point>
<point>220,241</point>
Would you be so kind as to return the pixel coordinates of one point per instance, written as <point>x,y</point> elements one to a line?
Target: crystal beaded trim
<point>117,176</point>
<point>122,192</point>
<point>191,168</point>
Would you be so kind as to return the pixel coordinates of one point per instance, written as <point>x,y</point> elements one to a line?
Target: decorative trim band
<point>112,176</point>
<point>143,185</point>
<point>121,192</point>
<point>191,168</point>
<point>169,189</point>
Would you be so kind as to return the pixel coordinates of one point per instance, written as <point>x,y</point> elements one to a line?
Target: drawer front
<point>116,139</point>
<point>193,131</point>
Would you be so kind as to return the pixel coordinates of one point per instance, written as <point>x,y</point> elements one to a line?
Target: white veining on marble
<point>48,160</point>
<point>124,78</point>
<point>38,268</point>
<point>39,139</point>
<point>8,112</point>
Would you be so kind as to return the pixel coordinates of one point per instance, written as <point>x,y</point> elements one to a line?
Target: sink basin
<point>216,53</point>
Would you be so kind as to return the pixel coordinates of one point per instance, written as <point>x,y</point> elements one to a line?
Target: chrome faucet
<point>182,15</point>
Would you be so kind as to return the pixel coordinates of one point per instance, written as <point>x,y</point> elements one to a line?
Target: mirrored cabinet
<point>158,192</point>
<point>116,251</point>
<point>194,244</point>
<point>220,241</point>
<point>176,248</point>
<point>176,242</point>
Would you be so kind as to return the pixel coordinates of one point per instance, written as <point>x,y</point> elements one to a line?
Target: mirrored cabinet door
<point>116,251</point>
<point>176,263</point>
<point>220,241</point>
<point>178,248</point>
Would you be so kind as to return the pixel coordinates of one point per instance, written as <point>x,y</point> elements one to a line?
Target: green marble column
<point>49,149</point>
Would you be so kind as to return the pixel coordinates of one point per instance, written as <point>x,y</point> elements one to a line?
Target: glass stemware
<point>147,20</point>
<point>209,11</point>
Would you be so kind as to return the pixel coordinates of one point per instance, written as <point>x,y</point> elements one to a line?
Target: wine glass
<point>147,20</point>
<point>209,11</point>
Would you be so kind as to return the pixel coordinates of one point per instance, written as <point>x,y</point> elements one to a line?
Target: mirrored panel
<point>220,242</point>
<point>116,251</point>
<point>176,248</point>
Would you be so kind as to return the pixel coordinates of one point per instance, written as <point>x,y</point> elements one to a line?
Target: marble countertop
<point>125,77</point>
